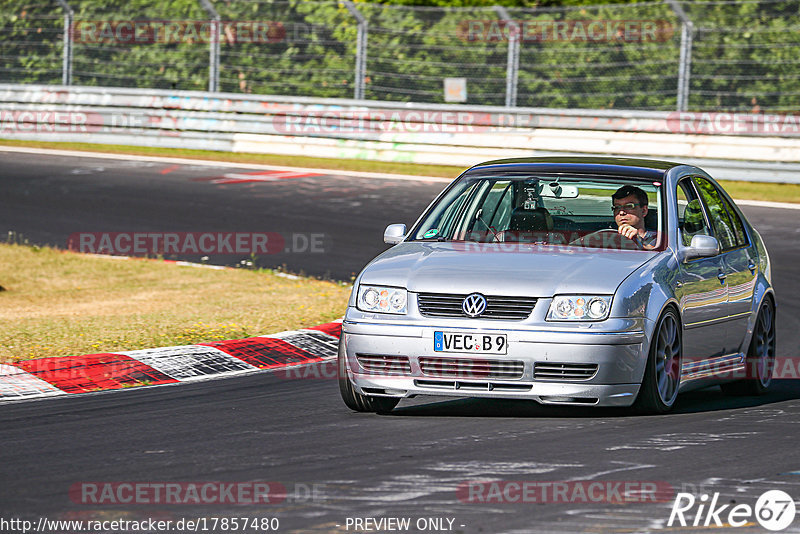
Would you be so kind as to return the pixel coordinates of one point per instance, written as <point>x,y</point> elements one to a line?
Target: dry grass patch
<point>59,303</point>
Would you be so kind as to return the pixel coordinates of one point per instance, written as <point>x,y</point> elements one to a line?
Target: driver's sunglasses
<point>627,207</point>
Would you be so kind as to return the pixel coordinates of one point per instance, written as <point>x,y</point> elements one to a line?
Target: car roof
<point>641,168</point>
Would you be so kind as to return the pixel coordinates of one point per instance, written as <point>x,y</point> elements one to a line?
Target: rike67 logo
<point>774,510</point>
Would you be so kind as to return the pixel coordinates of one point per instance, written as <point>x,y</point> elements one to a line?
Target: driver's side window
<point>691,221</point>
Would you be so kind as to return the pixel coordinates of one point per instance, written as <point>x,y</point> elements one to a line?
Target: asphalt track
<point>293,429</point>
<point>49,198</point>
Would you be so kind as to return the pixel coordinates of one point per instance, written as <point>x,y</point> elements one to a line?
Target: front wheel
<point>760,359</point>
<point>355,400</point>
<point>662,374</point>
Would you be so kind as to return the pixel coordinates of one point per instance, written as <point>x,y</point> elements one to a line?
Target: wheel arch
<point>649,399</point>
<point>763,293</point>
<point>671,303</point>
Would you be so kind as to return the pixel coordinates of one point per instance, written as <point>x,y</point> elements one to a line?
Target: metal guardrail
<point>739,147</point>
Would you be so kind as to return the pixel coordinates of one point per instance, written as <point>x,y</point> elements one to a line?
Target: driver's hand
<point>628,231</point>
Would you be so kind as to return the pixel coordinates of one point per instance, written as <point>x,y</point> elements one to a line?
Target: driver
<point>630,209</point>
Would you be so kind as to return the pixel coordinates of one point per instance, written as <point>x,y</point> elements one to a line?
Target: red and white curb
<point>46,377</point>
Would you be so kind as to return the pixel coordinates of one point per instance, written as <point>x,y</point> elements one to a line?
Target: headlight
<point>382,299</point>
<point>579,308</point>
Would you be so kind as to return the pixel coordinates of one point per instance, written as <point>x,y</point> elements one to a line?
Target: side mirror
<point>702,246</point>
<point>394,234</point>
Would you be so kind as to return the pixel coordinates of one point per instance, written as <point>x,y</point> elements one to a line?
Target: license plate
<point>472,343</point>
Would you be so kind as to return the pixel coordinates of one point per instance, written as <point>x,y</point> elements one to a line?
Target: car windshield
<point>546,209</point>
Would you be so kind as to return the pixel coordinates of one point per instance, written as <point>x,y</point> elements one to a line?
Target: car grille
<point>389,365</point>
<point>469,368</point>
<point>448,305</point>
<point>563,371</point>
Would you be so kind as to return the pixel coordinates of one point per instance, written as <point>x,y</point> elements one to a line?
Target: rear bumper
<point>399,361</point>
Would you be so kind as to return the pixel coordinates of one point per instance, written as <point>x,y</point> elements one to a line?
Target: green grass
<point>59,303</point>
<point>762,191</point>
<point>738,190</point>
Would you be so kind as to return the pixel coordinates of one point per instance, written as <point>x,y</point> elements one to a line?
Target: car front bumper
<point>576,366</point>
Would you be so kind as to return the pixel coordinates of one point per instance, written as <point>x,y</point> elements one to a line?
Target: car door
<point>739,261</point>
<point>703,290</point>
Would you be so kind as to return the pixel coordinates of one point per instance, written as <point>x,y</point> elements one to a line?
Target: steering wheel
<point>602,239</point>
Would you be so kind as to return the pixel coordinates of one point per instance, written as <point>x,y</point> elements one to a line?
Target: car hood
<point>493,269</point>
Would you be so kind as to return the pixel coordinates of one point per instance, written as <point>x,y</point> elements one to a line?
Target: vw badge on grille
<point>474,305</point>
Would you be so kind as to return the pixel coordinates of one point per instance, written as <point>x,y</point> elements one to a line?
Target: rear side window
<point>728,228</point>
<point>691,221</point>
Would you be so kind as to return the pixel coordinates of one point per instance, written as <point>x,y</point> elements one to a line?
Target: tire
<point>355,400</point>
<point>662,373</point>
<point>760,360</point>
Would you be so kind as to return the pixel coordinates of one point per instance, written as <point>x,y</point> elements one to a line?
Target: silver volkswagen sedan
<point>567,281</point>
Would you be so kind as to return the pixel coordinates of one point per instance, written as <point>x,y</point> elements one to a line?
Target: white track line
<point>765,204</point>
<point>230,164</point>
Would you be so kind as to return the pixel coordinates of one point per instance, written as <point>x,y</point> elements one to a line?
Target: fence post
<point>685,60</point>
<point>213,51</point>
<point>66,66</point>
<point>685,70</point>
<point>512,63</point>
<point>361,50</point>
